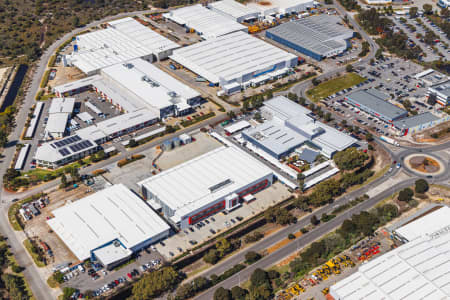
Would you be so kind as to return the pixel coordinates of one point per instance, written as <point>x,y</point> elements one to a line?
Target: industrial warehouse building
<point>58,153</point>
<point>207,23</point>
<point>413,124</point>
<point>215,181</point>
<point>85,142</point>
<point>108,226</point>
<point>441,92</point>
<point>58,115</point>
<point>234,61</point>
<point>317,36</point>
<point>235,10</point>
<point>280,8</point>
<point>123,40</point>
<point>419,269</point>
<point>290,126</point>
<point>138,84</point>
<point>375,103</point>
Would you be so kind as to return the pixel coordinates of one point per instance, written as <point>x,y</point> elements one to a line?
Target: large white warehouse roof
<point>208,23</point>
<point>418,269</point>
<point>234,10</point>
<point>191,185</point>
<point>125,39</point>
<point>152,86</point>
<point>113,213</point>
<point>280,6</point>
<point>230,57</point>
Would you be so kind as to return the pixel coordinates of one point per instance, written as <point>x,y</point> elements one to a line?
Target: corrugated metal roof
<point>376,101</point>
<point>113,213</point>
<point>230,56</point>
<point>320,34</point>
<point>415,270</point>
<point>416,120</point>
<point>186,187</point>
<point>208,23</point>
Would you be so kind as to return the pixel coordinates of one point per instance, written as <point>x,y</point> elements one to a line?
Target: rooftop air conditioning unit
<point>172,94</point>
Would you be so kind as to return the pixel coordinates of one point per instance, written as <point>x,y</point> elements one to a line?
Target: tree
<point>314,220</point>
<point>3,138</point>
<point>75,174</point>
<point>222,294</point>
<point>132,143</point>
<point>185,291</point>
<point>405,195</point>
<point>259,277</point>
<point>328,117</point>
<point>75,21</point>
<point>291,236</point>
<point>349,68</point>
<point>413,11</point>
<point>211,257</point>
<point>445,13</point>
<point>350,158</point>
<point>231,114</point>
<point>315,81</point>
<point>238,293</point>
<point>151,285</point>
<point>365,222</point>
<point>63,180</point>
<point>347,227</point>
<point>68,292</point>
<point>10,174</point>
<point>292,96</point>
<point>328,2</point>
<point>421,186</point>
<point>200,283</point>
<point>223,247</point>
<point>251,257</point>
<point>427,8</point>
<point>369,137</point>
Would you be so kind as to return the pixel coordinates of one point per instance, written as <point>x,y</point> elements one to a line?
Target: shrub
<point>251,257</point>
<point>291,236</point>
<point>44,80</point>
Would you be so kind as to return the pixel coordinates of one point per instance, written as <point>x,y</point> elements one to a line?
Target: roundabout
<point>424,164</point>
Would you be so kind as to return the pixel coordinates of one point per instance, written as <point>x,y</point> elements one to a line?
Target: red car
<point>117,281</point>
<point>129,275</point>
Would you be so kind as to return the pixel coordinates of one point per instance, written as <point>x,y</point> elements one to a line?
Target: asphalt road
<point>38,286</point>
<point>299,243</point>
<point>323,228</point>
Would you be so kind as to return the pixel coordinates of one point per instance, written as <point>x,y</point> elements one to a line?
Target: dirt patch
<point>282,243</point>
<point>426,136</point>
<point>265,3</point>
<point>424,164</point>
<point>37,227</point>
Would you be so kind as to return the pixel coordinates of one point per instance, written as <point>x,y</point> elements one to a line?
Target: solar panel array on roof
<point>64,151</point>
<point>80,146</point>
<point>67,141</point>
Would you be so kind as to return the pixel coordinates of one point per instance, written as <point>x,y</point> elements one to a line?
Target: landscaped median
<point>333,86</point>
<point>33,251</point>
<point>196,119</point>
<point>127,160</point>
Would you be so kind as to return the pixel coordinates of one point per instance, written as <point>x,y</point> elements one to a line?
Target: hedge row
<point>44,80</point>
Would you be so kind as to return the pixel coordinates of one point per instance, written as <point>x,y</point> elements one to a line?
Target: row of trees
<point>261,287</point>
<point>221,248</point>
<point>360,225</point>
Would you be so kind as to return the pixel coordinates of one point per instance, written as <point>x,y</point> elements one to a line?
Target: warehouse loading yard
<point>199,123</point>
